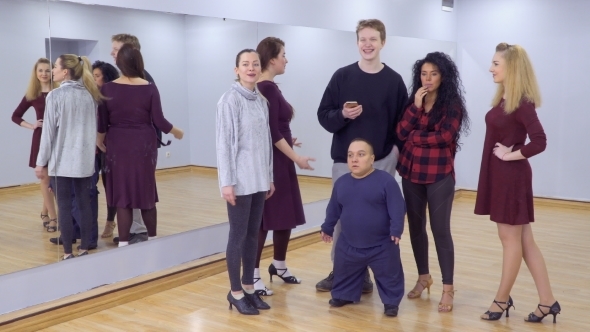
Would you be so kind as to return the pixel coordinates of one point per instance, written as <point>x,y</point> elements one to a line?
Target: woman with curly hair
<point>430,129</point>
<point>104,73</point>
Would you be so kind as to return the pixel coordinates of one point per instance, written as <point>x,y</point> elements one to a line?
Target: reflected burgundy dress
<point>284,209</point>
<point>132,151</point>
<point>505,188</point>
<point>17,117</point>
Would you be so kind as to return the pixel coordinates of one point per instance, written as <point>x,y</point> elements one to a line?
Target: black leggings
<point>125,219</point>
<point>439,197</point>
<point>244,223</point>
<point>280,242</point>
<point>111,210</point>
<point>63,187</point>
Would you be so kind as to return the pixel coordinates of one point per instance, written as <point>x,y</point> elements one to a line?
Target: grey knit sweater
<point>68,139</point>
<point>244,146</point>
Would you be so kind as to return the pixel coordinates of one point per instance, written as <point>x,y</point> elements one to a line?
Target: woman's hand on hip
<point>501,150</point>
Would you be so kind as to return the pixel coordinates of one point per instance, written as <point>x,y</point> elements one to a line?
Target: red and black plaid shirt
<point>428,155</point>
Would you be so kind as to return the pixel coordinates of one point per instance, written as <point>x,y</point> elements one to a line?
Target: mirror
<point>24,31</point>
<point>191,60</point>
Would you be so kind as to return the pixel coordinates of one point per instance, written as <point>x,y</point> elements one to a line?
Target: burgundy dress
<point>505,189</point>
<point>17,117</point>
<point>132,151</point>
<point>284,209</point>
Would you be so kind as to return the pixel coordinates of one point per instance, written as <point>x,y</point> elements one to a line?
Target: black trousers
<point>438,197</point>
<point>81,187</point>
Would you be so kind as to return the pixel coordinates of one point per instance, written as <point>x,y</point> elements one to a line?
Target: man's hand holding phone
<point>351,110</point>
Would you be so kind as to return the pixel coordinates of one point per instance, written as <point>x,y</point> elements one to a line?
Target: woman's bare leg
<point>511,236</point>
<point>536,264</point>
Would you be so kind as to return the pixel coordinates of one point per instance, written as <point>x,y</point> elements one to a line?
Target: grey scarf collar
<point>247,93</point>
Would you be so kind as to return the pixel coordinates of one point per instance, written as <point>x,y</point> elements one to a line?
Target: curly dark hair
<point>109,72</point>
<point>449,97</point>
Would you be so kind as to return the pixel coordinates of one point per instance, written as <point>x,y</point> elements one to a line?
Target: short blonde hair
<point>373,24</point>
<point>127,39</point>
<point>520,82</point>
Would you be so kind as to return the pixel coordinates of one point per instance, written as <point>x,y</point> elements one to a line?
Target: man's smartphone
<point>351,104</point>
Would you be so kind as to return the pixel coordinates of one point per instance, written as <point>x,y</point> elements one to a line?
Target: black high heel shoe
<point>553,310</point>
<point>243,305</point>
<point>497,315</point>
<point>273,271</point>
<point>256,301</point>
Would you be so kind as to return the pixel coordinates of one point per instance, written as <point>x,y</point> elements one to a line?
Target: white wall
<point>162,39</point>
<point>23,29</point>
<point>555,35</point>
<point>407,18</point>
<point>314,55</point>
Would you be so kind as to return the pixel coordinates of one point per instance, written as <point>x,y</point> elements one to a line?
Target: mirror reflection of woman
<point>103,73</point>
<point>244,167</point>
<point>68,145</point>
<point>126,120</point>
<point>39,86</point>
<point>430,129</point>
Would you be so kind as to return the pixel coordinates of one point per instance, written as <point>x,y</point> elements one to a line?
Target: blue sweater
<point>371,209</point>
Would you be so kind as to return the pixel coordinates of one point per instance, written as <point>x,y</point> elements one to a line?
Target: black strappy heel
<point>273,271</point>
<point>262,292</point>
<point>45,223</point>
<point>554,310</point>
<point>497,315</point>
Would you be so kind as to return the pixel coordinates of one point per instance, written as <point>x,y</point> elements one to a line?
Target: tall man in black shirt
<point>363,100</point>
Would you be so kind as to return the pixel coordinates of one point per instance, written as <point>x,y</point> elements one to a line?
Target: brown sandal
<point>52,229</point>
<point>425,285</point>
<point>446,307</point>
<point>108,229</point>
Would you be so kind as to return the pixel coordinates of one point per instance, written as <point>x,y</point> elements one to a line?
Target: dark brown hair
<point>246,50</point>
<point>268,49</point>
<point>358,139</point>
<point>127,39</point>
<point>130,61</point>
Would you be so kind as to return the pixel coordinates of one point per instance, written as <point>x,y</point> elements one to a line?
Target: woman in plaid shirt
<point>430,129</point>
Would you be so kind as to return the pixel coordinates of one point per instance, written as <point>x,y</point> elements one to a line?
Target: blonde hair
<point>80,68</point>
<point>520,82</point>
<point>374,24</point>
<point>34,88</point>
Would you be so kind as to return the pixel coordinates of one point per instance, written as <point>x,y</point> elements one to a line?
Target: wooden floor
<point>189,200</point>
<point>562,235</point>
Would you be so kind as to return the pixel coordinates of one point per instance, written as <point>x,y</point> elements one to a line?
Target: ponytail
<point>80,68</point>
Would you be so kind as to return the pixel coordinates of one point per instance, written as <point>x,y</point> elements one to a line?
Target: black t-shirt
<point>383,96</point>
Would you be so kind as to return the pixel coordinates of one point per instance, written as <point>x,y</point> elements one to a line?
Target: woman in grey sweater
<point>244,166</point>
<point>68,144</point>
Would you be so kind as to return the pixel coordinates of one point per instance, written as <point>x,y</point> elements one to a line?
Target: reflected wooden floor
<point>561,233</point>
<point>189,199</point>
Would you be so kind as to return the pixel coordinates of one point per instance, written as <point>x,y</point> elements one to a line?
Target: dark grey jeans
<point>63,187</point>
<point>244,224</point>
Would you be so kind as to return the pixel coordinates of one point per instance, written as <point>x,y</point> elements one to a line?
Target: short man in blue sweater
<point>364,99</point>
<point>371,209</point>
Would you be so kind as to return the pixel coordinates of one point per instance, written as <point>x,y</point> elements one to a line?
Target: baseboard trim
<point>540,201</point>
<point>109,296</point>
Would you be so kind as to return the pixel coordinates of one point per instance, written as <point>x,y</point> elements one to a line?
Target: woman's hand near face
<point>419,97</point>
